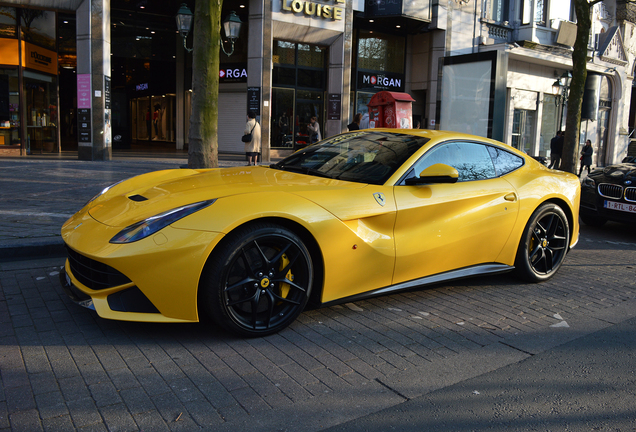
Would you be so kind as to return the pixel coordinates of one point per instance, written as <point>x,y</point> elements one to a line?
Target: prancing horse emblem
<point>379,197</point>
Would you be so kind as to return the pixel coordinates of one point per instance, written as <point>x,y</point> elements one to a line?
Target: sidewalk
<point>39,193</point>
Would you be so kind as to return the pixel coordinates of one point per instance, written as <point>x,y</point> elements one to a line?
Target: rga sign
<point>234,73</point>
<point>380,81</point>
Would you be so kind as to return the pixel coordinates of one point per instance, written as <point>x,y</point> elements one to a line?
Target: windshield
<point>364,157</point>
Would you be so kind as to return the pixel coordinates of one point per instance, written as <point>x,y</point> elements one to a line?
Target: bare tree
<point>583,10</point>
<point>203,146</point>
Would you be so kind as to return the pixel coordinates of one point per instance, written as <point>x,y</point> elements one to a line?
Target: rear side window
<point>471,160</point>
<point>504,161</point>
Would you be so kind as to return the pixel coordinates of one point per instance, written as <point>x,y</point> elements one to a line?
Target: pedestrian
<point>253,146</point>
<point>355,124</point>
<point>313,129</point>
<point>556,150</point>
<point>586,157</point>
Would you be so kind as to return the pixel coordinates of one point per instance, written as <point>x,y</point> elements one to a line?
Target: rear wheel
<point>258,280</point>
<point>544,244</point>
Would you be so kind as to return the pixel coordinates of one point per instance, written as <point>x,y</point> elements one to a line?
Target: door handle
<point>511,197</point>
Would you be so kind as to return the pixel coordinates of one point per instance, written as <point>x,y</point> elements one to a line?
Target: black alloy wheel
<point>544,244</point>
<point>258,281</point>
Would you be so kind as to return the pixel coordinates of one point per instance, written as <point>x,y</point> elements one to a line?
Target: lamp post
<point>184,23</point>
<point>231,26</point>
<point>561,90</point>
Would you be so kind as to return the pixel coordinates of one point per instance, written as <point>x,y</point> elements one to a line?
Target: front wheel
<point>544,244</point>
<point>258,280</point>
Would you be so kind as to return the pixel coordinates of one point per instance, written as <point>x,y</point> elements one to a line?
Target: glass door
<point>523,122</point>
<point>283,117</point>
<point>41,112</point>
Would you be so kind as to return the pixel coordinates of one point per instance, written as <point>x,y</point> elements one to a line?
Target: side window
<point>471,160</point>
<point>504,161</point>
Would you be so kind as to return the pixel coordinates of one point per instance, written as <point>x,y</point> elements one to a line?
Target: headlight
<point>153,224</point>
<point>589,182</point>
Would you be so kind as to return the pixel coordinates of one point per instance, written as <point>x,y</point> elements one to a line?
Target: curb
<point>32,249</point>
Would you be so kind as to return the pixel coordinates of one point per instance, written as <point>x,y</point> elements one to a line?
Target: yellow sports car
<point>357,215</point>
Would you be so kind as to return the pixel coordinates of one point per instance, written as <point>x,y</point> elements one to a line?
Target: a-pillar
<point>93,80</point>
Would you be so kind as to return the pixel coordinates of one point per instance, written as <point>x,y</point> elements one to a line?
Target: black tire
<point>258,280</point>
<point>594,221</point>
<point>544,244</point>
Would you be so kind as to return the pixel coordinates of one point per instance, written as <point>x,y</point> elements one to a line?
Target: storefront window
<point>466,97</point>
<point>282,117</point>
<point>299,78</point>
<point>38,27</point>
<point>154,118</point>
<point>311,56</point>
<point>41,112</point>
<point>9,107</point>
<point>380,52</point>
<point>284,53</point>
<point>7,22</point>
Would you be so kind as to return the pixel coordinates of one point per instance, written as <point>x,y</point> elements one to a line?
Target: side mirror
<point>438,173</point>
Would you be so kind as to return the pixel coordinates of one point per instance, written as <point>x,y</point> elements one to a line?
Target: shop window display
<point>9,108</point>
<point>41,112</point>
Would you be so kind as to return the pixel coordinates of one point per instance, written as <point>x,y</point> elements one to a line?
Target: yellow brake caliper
<point>284,287</point>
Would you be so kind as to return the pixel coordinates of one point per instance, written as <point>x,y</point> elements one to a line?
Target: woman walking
<point>586,157</point>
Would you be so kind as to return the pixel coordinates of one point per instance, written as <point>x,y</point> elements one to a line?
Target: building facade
<point>103,75</point>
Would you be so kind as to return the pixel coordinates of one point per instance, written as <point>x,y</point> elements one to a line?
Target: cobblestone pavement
<point>63,368</point>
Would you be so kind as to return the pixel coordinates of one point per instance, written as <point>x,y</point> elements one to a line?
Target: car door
<point>441,227</point>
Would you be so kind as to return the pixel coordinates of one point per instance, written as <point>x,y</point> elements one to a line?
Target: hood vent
<point>137,198</point>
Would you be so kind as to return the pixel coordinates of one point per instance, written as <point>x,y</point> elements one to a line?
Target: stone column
<point>340,76</point>
<point>259,65</point>
<point>93,60</point>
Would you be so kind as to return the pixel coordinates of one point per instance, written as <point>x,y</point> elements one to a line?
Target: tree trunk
<point>203,145</point>
<point>577,86</point>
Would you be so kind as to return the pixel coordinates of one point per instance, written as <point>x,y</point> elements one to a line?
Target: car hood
<point>617,174</point>
<point>150,194</point>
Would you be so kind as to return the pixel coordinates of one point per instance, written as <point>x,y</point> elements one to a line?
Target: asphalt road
<point>479,354</point>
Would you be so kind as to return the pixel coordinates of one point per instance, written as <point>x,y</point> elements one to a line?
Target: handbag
<point>248,138</point>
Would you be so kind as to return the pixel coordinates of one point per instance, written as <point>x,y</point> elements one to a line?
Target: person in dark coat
<point>586,157</point>
<point>556,150</point>
<point>355,124</point>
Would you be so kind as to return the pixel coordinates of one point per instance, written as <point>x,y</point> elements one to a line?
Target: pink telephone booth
<point>391,110</point>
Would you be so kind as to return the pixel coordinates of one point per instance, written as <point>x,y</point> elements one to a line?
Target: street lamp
<point>561,91</point>
<point>231,25</point>
<point>184,23</point>
<point>232,28</point>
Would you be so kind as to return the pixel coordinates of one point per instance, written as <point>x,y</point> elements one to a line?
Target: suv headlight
<point>589,182</point>
<point>151,225</point>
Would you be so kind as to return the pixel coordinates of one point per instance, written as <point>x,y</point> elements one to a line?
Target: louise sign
<point>310,8</point>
